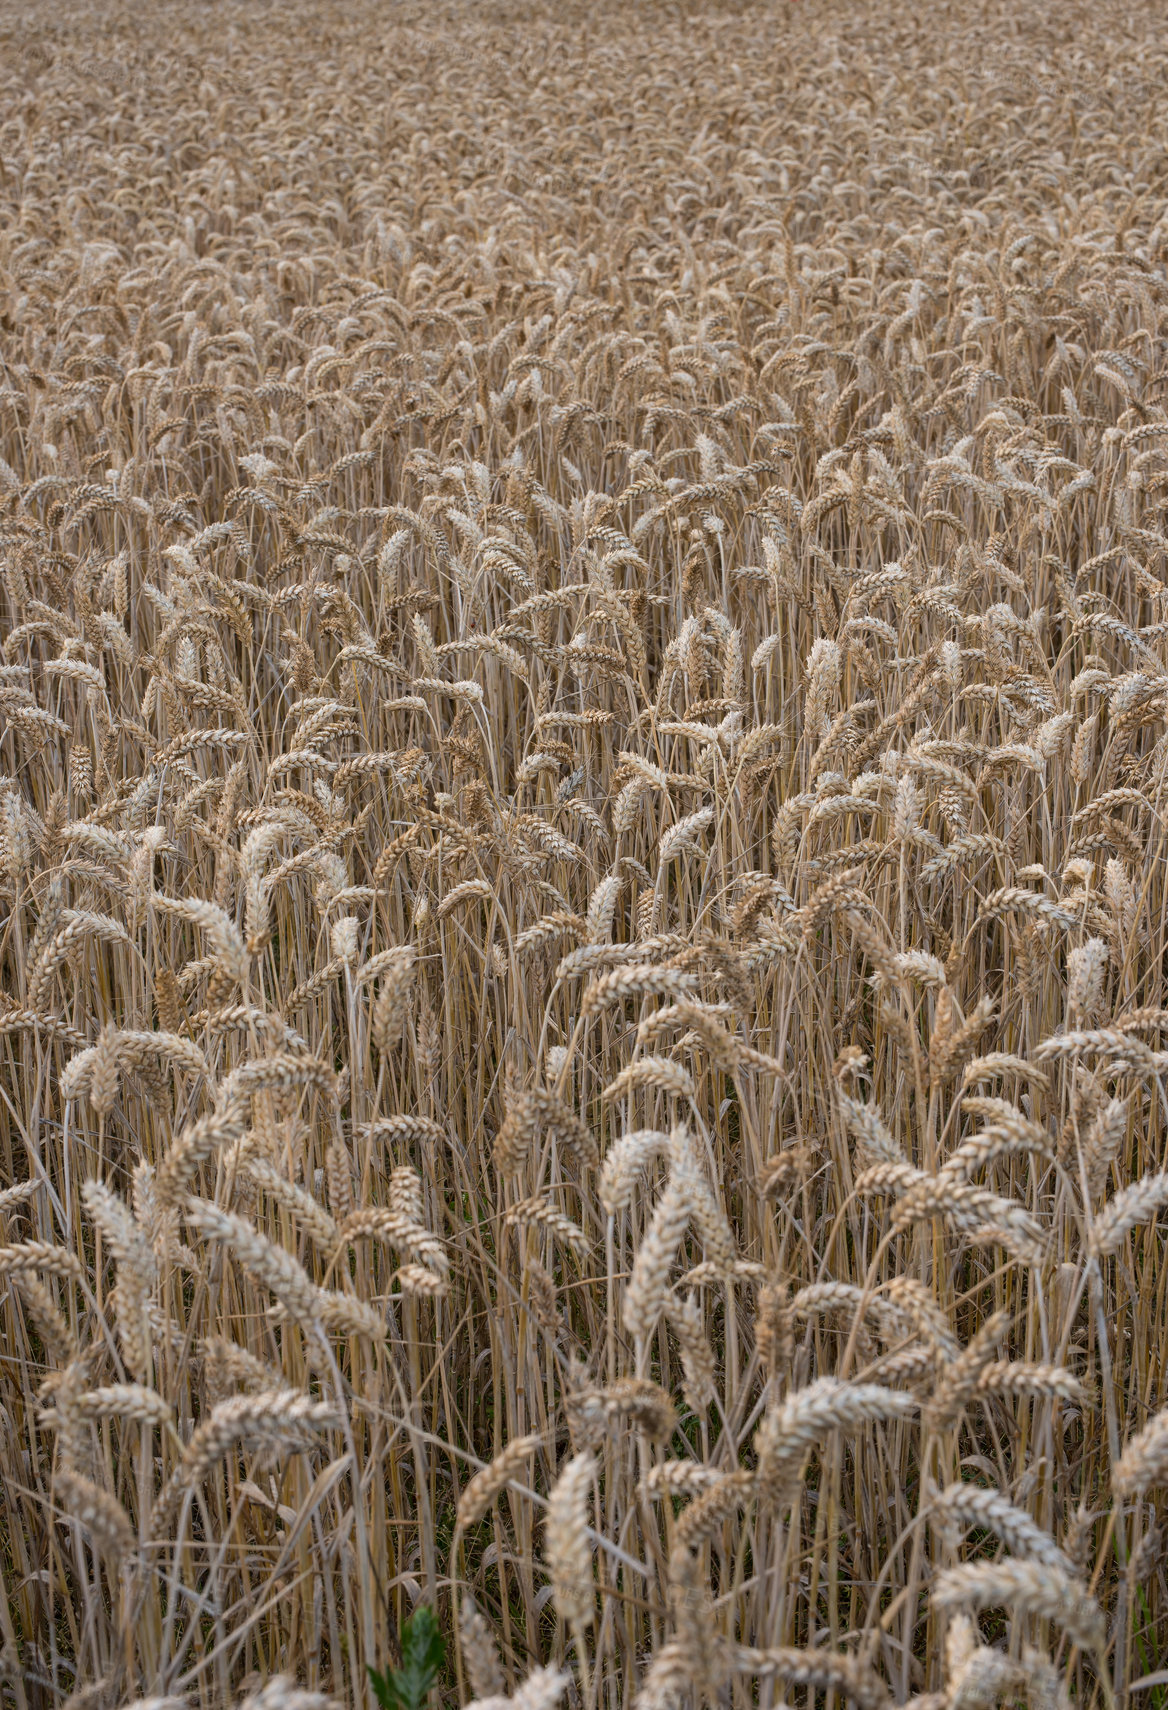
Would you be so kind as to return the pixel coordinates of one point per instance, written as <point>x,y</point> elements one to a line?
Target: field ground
<point>583,733</point>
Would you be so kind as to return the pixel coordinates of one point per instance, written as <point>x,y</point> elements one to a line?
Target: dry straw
<point>583,739</point>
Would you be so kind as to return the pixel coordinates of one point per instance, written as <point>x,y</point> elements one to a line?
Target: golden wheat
<point>583,754</point>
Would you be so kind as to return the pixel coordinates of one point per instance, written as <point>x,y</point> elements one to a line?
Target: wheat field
<point>584,708</point>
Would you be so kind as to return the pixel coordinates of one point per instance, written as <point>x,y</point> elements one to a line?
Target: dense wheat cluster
<point>584,701</point>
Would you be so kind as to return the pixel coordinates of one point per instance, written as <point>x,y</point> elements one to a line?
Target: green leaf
<point>384,1688</point>
<point>423,1650</point>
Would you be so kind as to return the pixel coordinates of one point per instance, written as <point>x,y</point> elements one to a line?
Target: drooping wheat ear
<point>774,1328</point>
<point>1144,1461</point>
<point>822,1297</point>
<point>668,1680</point>
<point>835,893</point>
<point>540,1214</point>
<point>968,1505</point>
<point>633,981</point>
<point>124,1401</point>
<point>1011,1136</point>
<point>101,1514</point>
<point>103,1076</point>
<point>156,1221</point>
<point>61,1388</point>
<point>280,1693</point>
<point>823,666</point>
<point>404,1127</point>
<point>1086,969</point>
<point>345,940</point>
<point>285,1072</point>
<point>711,1509</point>
<point>1127,1209</point>
<point>227,1368</point>
<point>912,1297</point>
<point>628,805</point>
<point>284,1420</point>
<point>96,1070</point>
<point>1021,1377</point>
<point>541,1288</point>
<point>468,891</point>
<point>684,835</point>
<point>952,1043</point>
<point>637,1401</point>
<point>697,1356</point>
<point>542,1690</point>
<point>695,1629</point>
<point>479,1652</point>
<point>996,1063</point>
<point>707,1030</point>
<point>661,1074</point>
<point>394,994</point>
<point>899,1178</point>
<point>339,1176</point>
<point>959,1378</point>
<point>486,1485</point>
<point>625,1164</point>
<point>17,1195</point>
<point>536,1111</point>
<point>973,1210</point>
<point>24,1256</point>
<point>834,1671</point>
<point>648,1288</point>
<point>224,937</point>
<point>1083,749</point>
<point>709,1220</point>
<point>347,1315</point>
<point>137,1272</point>
<point>976,1675</point>
<point>602,908</point>
<point>304,1208</point>
<point>1103,1141</point>
<point>405,1193</point>
<point>196,1145</point>
<point>567,1545</point>
<point>45,1313</point>
<point>867,1127</point>
<point>888,969</point>
<point>421,1282</point>
<point>400,1231</point>
<point>790,1431</point>
<point>1026,1588</point>
<point>680,1478</point>
<point>75,925</point>
<point>272,1266</point>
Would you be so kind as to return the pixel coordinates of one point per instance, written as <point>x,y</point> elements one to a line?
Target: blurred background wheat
<point>584,707</point>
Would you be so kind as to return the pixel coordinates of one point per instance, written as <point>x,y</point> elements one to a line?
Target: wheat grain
<point>569,1552</point>
<point>482,1489</point>
<point>972,1505</point>
<point>1144,1461</point>
<point>553,561</point>
<point>1027,1588</point>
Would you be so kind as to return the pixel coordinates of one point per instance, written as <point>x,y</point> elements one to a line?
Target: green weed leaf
<point>423,1649</point>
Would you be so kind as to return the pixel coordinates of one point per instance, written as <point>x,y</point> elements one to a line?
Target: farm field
<point>583,916</point>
